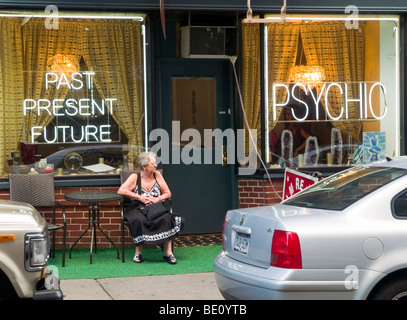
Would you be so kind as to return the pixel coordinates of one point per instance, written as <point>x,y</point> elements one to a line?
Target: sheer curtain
<point>251,78</point>
<point>11,88</point>
<point>39,45</point>
<point>282,49</point>
<point>114,51</point>
<point>341,52</point>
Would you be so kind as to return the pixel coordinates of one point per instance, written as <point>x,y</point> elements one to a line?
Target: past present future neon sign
<point>86,107</point>
<point>363,98</point>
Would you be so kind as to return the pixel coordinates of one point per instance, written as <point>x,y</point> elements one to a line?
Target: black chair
<point>124,175</point>
<point>38,190</point>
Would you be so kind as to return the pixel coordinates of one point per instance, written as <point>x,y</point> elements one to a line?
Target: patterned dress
<point>160,230</point>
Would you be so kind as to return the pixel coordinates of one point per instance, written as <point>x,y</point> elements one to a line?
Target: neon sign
<point>323,95</point>
<point>70,107</point>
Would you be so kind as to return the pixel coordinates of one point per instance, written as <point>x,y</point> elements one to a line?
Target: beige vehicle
<point>24,253</point>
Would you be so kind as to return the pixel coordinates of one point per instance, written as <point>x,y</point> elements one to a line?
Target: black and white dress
<point>160,230</point>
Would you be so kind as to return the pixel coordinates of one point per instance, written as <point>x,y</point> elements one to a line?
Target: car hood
<point>14,214</point>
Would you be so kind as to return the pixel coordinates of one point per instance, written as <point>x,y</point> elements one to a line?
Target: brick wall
<point>259,192</point>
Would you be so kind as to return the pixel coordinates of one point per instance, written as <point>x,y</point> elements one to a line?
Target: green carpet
<point>106,265</point>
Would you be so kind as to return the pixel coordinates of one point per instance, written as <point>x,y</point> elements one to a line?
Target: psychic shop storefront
<point>331,95</point>
<point>81,93</point>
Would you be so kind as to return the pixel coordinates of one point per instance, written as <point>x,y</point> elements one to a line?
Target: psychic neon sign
<point>70,107</point>
<point>323,94</point>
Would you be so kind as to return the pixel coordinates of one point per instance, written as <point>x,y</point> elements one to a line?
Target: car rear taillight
<point>286,250</point>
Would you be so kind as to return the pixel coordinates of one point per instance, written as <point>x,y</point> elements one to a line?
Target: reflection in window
<point>400,205</point>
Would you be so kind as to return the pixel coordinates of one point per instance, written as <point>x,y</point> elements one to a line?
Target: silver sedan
<point>345,237</point>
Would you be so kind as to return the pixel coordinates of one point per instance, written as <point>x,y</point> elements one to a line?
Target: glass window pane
<point>333,96</point>
<point>72,89</point>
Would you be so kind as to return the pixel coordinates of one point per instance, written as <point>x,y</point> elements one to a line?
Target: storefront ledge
<point>278,173</point>
<point>92,180</point>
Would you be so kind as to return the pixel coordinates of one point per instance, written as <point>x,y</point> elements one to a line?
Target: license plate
<point>241,243</point>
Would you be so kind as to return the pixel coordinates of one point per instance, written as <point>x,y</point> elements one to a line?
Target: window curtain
<point>114,51</point>
<point>39,45</point>
<point>341,52</point>
<point>282,47</point>
<point>11,87</point>
<point>282,50</point>
<point>251,78</point>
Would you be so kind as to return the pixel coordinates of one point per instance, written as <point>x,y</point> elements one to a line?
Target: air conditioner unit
<point>208,42</point>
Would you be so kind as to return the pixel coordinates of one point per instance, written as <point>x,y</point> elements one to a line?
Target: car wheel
<point>393,290</point>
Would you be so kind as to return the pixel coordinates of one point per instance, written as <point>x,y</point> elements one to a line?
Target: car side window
<point>399,205</point>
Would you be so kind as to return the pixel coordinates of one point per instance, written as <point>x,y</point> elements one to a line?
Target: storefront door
<point>197,95</point>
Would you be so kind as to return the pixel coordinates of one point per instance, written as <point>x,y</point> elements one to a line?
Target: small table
<point>93,198</point>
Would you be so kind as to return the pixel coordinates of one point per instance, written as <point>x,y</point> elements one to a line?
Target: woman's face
<point>287,114</point>
<point>151,165</point>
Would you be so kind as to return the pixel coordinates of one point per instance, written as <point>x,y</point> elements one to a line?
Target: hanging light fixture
<point>302,72</point>
<point>310,75</point>
<point>63,63</point>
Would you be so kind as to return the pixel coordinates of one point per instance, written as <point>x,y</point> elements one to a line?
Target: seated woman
<point>153,189</point>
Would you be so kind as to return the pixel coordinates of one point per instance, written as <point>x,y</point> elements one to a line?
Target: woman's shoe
<point>137,258</point>
<point>170,259</point>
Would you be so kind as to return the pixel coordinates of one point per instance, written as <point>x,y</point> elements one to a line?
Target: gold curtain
<point>40,44</point>
<point>114,51</point>
<point>11,88</point>
<point>341,52</point>
<point>282,53</point>
<point>282,50</point>
<point>251,78</point>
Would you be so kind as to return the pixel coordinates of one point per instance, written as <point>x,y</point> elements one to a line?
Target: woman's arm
<point>165,190</point>
<point>128,187</point>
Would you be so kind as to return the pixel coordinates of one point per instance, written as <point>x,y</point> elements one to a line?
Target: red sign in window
<point>295,182</point>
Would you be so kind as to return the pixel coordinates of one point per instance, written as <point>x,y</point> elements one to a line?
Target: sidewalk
<point>194,286</point>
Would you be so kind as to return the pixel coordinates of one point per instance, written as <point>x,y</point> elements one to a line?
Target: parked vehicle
<point>24,252</point>
<point>342,238</point>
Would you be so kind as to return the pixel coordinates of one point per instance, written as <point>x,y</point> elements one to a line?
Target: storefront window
<point>332,90</point>
<point>71,84</point>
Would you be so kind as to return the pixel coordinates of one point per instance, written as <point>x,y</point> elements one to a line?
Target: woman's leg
<point>137,254</point>
<point>139,250</point>
<point>168,254</point>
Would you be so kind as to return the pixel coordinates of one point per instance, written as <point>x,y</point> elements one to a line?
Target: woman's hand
<point>147,200</point>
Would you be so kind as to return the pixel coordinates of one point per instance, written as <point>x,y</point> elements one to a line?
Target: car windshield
<point>345,188</point>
